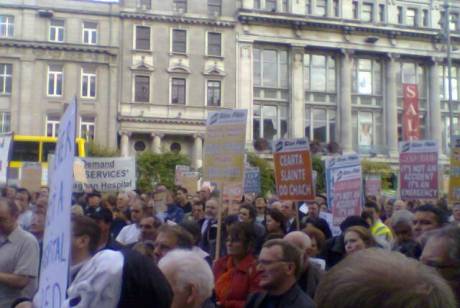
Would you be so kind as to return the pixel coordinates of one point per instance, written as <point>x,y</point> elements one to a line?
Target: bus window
<point>25,151</point>
<point>48,148</point>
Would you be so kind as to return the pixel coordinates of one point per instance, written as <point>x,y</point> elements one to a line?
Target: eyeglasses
<point>146,226</point>
<point>269,262</point>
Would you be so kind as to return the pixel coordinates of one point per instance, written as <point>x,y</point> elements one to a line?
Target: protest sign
<point>108,174</point>
<point>31,176</point>
<point>252,180</point>
<point>418,169</point>
<point>373,185</point>
<point>224,146</point>
<point>5,147</point>
<point>189,180</point>
<point>410,116</point>
<point>79,173</point>
<point>178,174</point>
<point>293,170</point>
<point>344,187</point>
<point>54,267</point>
<point>232,192</point>
<point>454,179</point>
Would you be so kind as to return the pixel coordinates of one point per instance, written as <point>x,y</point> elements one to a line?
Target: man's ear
<point>192,294</point>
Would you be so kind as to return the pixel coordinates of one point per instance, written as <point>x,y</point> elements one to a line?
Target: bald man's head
<point>299,240</point>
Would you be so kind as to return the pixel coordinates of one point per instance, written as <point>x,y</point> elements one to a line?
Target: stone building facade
<point>147,72</point>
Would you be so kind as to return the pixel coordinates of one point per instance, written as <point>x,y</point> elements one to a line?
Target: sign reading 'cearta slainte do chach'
<point>293,169</point>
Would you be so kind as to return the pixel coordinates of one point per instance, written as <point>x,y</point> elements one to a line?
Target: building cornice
<point>174,121</point>
<point>111,51</point>
<point>346,26</point>
<point>107,12</point>
<point>178,19</point>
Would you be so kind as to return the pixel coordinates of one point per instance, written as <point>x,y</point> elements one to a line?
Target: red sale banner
<point>410,117</point>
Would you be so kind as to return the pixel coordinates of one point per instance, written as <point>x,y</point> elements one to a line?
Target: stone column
<point>298,93</point>
<point>198,151</point>
<point>435,103</point>
<point>125,143</point>
<point>391,126</point>
<point>346,132</point>
<point>245,84</point>
<point>156,142</point>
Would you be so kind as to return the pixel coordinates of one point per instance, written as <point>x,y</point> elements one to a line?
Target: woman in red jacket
<point>236,274</point>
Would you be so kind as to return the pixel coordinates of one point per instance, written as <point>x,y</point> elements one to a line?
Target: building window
<point>52,125</point>
<point>142,89</point>
<point>56,31</point>
<point>145,4</point>
<point>367,77</point>
<point>336,8</point>
<point>367,12</point>
<point>142,38</point>
<point>285,6</point>
<point>321,8</point>
<point>5,122</point>
<point>411,17</point>
<point>215,7</point>
<point>425,18</point>
<point>6,78</point>
<point>87,128</point>
<point>308,7</point>
<point>179,41</point>
<point>270,68</point>
<point>213,93</point>
<point>55,77</point>
<point>6,26</point>
<point>214,44</point>
<point>319,73</point>
<point>88,83</point>
<point>180,6</point>
<point>446,130</point>
<point>444,83</point>
<point>400,15</point>
<point>270,122</point>
<point>90,33</point>
<point>368,131</point>
<point>257,4</point>
<point>270,5</point>
<point>178,91</point>
<point>453,22</point>
<point>355,9</point>
<point>320,124</point>
<point>382,13</point>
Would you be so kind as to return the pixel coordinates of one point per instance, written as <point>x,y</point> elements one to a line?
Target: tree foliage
<point>153,169</point>
<point>94,149</point>
<point>318,166</point>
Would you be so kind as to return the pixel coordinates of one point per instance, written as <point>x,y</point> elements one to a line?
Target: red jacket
<point>244,279</point>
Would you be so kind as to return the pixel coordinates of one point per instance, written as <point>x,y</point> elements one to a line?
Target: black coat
<point>294,298</point>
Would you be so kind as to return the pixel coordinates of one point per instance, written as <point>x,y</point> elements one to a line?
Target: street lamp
<point>449,68</point>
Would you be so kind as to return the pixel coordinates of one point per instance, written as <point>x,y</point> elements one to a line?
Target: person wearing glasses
<point>236,274</point>
<point>279,264</point>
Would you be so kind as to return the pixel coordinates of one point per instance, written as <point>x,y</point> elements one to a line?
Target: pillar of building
<point>346,133</point>
<point>391,126</point>
<point>197,151</point>
<point>435,102</point>
<point>156,142</point>
<point>125,143</point>
<point>298,93</point>
<point>245,84</point>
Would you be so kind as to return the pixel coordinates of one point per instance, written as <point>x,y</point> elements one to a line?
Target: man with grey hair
<point>311,273</point>
<point>402,225</point>
<point>442,252</point>
<point>190,277</point>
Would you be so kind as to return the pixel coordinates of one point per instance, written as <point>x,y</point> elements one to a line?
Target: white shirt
<point>25,219</point>
<point>129,234</point>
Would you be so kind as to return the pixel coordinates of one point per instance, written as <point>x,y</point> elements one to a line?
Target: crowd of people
<point>160,249</point>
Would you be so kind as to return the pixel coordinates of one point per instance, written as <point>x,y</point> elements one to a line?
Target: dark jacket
<point>309,280</point>
<point>294,298</point>
<point>333,251</point>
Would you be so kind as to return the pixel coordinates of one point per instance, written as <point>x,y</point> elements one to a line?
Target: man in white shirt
<point>130,233</point>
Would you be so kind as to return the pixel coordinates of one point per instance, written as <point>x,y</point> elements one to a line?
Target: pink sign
<point>373,185</point>
<point>347,200</point>
<point>418,170</point>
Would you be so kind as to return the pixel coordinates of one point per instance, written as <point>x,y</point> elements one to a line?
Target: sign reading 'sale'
<point>293,170</point>
<point>410,117</point>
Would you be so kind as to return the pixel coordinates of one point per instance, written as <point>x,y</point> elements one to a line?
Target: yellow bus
<point>36,149</point>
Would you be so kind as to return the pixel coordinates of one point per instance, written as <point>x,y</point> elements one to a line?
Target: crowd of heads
<point>256,251</point>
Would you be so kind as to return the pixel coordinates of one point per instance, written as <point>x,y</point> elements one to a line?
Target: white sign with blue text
<point>54,268</point>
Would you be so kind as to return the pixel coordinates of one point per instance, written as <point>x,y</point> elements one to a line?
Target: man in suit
<point>280,265</point>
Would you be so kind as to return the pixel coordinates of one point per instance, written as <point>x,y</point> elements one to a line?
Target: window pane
<point>213,93</point>
<point>214,44</point>
<point>367,12</point>
<point>332,120</point>
<point>365,129</point>
<point>270,5</point>
<point>25,151</point>
<point>318,71</point>
<point>178,91</point>
<point>319,125</point>
<point>269,68</point>
<point>179,41</point>
<point>142,89</point>
<point>321,7</point>
<point>257,68</point>
<point>214,7</point>
<point>143,38</point>
<point>308,123</point>
<point>283,69</point>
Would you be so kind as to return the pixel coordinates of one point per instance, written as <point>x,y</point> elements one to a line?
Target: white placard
<point>54,269</point>
<point>5,146</point>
